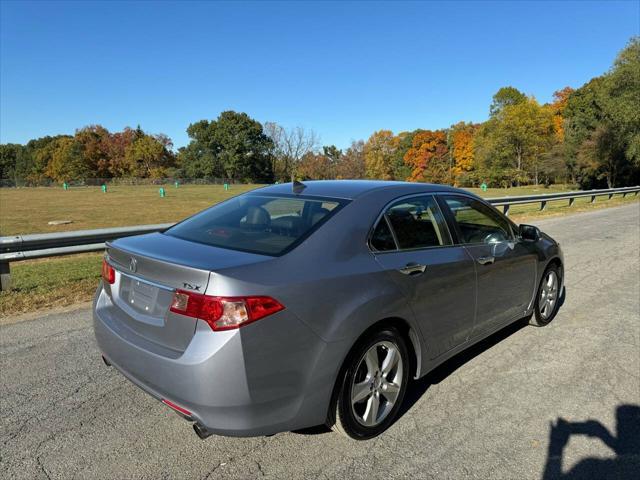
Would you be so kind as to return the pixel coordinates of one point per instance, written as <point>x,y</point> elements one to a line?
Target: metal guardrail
<point>41,245</point>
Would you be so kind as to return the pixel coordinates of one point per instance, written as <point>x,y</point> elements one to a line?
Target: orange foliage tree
<point>462,148</point>
<point>558,105</point>
<point>427,157</point>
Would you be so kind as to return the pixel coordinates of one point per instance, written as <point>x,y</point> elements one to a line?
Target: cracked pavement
<point>514,406</point>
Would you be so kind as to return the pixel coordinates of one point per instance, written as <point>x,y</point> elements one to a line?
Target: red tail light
<point>223,313</point>
<point>108,273</point>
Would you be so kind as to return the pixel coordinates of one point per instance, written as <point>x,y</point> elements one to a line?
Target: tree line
<point>588,136</point>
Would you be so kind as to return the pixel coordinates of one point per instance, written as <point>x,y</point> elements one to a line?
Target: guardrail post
<point>5,277</point>
<point>624,194</point>
<point>543,205</point>
<point>610,196</point>
<point>571,200</point>
<point>505,209</point>
<point>593,198</point>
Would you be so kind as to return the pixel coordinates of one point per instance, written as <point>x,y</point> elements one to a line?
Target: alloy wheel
<point>377,383</point>
<point>548,294</point>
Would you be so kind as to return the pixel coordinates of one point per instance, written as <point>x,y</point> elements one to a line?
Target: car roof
<point>351,189</point>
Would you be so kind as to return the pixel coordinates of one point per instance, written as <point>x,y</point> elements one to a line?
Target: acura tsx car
<point>296,305</point>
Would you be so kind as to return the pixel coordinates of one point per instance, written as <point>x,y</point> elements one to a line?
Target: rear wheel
<point>372,386</point>
<point>548,297</point>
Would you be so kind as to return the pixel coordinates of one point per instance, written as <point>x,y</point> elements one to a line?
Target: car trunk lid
<point>149,269</point>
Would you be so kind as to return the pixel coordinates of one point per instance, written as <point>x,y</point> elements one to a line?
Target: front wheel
<point>372,386</point>
<point>548,297</point>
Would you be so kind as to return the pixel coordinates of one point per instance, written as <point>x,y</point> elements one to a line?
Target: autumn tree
<point>379,154</point>
<point>352,164</point>
<point>558,106</point>
<point>67,161</point>
<point>462,151</point>
<point>427,157</point>
<point>316,166</point>
<point>149,157</point>
<point>119,142</point>
<point>96,149</point>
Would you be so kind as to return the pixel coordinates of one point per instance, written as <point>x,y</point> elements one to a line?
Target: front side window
<point>417,223</point>
<point>476,222</point>
<point>269,225</point>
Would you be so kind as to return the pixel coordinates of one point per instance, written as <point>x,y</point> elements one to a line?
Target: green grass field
<point>28,210</point>
<point>46,283</point>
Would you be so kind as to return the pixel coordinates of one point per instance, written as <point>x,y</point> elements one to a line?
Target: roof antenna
<point>298,187</point>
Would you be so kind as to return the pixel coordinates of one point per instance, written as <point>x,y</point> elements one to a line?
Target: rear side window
<point>382,238</point>
<point>416,222</point>
<point>258,224</point>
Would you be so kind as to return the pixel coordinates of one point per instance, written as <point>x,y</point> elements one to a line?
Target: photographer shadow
<point>625,443</point>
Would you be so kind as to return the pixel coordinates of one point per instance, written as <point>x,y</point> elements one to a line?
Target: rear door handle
<point>486,260</point>
<point>413,269</point>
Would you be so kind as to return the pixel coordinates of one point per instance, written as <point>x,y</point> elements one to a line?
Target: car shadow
<point>417,388</point>
<point>624,442</point>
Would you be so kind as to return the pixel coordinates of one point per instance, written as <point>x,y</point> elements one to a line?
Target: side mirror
<point>529,233</point>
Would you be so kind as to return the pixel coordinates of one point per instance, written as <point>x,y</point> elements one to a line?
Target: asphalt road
<point>555,402</point>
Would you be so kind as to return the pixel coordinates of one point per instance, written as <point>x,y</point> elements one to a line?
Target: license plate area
<point>143,297</point>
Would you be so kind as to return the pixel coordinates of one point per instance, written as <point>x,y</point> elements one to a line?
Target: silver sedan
<point>296,305</point>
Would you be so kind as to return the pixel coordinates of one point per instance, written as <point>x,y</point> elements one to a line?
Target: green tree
<point>505,97</point>
<point>9,154</point>
<point>602,125</point>
<point>233,145</point>
<point>403,142</point>
<point>622,101</point>
<point>332,152</point>
<point>514,141</point>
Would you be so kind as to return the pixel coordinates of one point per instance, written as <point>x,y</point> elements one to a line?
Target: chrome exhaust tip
<point>201,431</point>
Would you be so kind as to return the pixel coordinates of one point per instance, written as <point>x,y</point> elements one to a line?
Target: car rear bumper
<point>271,376</point>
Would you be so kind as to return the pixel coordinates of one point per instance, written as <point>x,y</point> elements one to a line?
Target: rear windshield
<point>269,225</point>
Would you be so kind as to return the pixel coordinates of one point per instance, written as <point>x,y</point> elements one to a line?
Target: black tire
<point>342,418</point>
<point>538,319</point>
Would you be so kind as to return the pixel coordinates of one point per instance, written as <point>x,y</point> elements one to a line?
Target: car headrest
<point>258,216</point>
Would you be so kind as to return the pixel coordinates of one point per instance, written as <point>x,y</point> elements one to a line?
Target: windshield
<point>269,225</point>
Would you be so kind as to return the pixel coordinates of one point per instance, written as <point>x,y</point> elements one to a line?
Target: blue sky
<point>341,69</point>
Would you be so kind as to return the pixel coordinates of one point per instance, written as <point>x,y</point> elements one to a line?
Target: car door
<point>412,243</point>
<point>506,269</point>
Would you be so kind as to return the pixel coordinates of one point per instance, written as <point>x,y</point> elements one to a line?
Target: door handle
<point>486,260</point>
<point>413,269</point>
